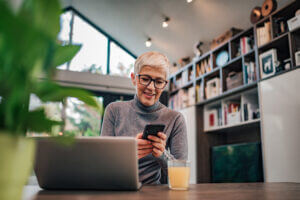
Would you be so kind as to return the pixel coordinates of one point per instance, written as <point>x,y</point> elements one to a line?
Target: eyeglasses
<point>146,80</point>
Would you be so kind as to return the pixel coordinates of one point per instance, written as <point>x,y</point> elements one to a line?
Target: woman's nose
<point>151,85</point>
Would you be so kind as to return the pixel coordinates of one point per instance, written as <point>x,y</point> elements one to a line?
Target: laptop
<point>91,163</point>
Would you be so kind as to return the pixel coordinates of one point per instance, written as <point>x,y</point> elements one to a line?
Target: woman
<point>129,118</point>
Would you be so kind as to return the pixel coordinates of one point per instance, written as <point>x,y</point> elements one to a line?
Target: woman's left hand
<point>159,143</point>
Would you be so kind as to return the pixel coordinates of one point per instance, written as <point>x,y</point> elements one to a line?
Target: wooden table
<point>224,191</point>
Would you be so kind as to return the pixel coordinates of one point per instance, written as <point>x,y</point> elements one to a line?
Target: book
<point>212,118</point>
<point>199,92</point>
<point>246,112</point>
<point>250,72</point>
<point>198,73</point>
<point>245,45</point>
<point>264,34</point>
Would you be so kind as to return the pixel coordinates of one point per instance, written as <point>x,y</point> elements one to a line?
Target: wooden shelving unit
<point>241,124</point>
<point>286,44</point>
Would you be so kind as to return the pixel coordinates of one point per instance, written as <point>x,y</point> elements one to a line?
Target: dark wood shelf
<point>174,91</point>
<point>181,69</point>
<point>232,61</point>
<point>263,20</point>
<point>249,52</point>
<point>241,34</point>
<point>240,125</point>
<point>228,93</point>
<point>280,73</point>
<point>198,78</point>
<point>188,84</point>
<point>273,41</point>
<point>211,72</point>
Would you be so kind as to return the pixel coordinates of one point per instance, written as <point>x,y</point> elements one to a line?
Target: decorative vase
<point>16,161</point>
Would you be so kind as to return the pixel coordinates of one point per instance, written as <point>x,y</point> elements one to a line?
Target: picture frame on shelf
<point>267,62</point>
<point>213,87</point>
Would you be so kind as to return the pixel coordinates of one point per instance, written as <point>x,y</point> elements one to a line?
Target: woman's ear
<point>132,75</point>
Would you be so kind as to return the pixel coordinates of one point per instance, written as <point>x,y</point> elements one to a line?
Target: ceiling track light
<point>148,43</point>
<point>165,23</point>
<point>189,1</point>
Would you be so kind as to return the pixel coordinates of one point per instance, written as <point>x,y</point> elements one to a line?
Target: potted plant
<point>29,50</point>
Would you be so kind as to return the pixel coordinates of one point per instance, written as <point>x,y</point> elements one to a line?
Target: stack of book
<point>175,102</point>
<point>251,111</point>
<point>232,113</point>
<point>245,44</point>
<point>250,72</point>
<point>185,77</point>
<point>184,98</point>
<point>264,34</point>
<point>203,67</point>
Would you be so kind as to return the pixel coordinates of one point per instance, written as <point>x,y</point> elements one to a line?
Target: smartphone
<point>152,129</point>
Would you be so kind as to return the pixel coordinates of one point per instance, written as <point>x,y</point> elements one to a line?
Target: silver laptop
<point>94,163</point>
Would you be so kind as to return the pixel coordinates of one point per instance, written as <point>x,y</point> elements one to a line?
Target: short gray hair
<point>152,59</point>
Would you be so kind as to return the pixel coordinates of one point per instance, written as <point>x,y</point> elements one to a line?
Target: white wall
<point>280,115</point>
<point>190,117</point>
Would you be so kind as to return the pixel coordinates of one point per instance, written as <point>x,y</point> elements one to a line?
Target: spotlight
<point>148,43</point>
<point>189,1</point>
<point>165,23</point>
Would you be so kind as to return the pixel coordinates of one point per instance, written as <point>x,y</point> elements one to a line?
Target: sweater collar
<point>142,107</point>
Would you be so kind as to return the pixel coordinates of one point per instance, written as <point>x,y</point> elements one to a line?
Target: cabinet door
<point>280,117</point>
<point>190,119</point>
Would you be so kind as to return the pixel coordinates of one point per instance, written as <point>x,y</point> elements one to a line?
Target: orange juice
<point>179,177</point>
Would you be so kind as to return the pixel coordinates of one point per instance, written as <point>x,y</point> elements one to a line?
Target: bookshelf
<point>228,76</point>
<point>242,124</point>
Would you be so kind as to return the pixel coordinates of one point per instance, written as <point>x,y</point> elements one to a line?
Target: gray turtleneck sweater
<point>129,118</point>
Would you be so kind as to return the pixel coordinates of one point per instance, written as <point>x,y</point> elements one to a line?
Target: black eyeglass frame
<point>151,79</point>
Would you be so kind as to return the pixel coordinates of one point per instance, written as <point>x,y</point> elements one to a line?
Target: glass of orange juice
<point>179,174</point>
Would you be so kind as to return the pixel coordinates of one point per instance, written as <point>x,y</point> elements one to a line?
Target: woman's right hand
<point>144,146</point>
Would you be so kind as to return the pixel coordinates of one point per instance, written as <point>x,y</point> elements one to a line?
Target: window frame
<point>109,38</point>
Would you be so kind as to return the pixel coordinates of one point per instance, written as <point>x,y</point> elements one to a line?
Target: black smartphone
<point>152,129</point>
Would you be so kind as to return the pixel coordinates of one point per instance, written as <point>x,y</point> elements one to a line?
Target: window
<point>80,119</point>
<point>65,27</point>
<point>93,55</point>
<point>121,63</point>
<point>64,34</point>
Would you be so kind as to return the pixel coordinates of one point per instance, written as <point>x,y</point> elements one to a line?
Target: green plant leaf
<point>29,49</point>
<point>49,91</point>
<point>37,121</point>
<point>44,14</point>
<point>64,54</point>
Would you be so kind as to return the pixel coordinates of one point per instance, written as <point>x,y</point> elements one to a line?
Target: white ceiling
<point>131,22</point>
